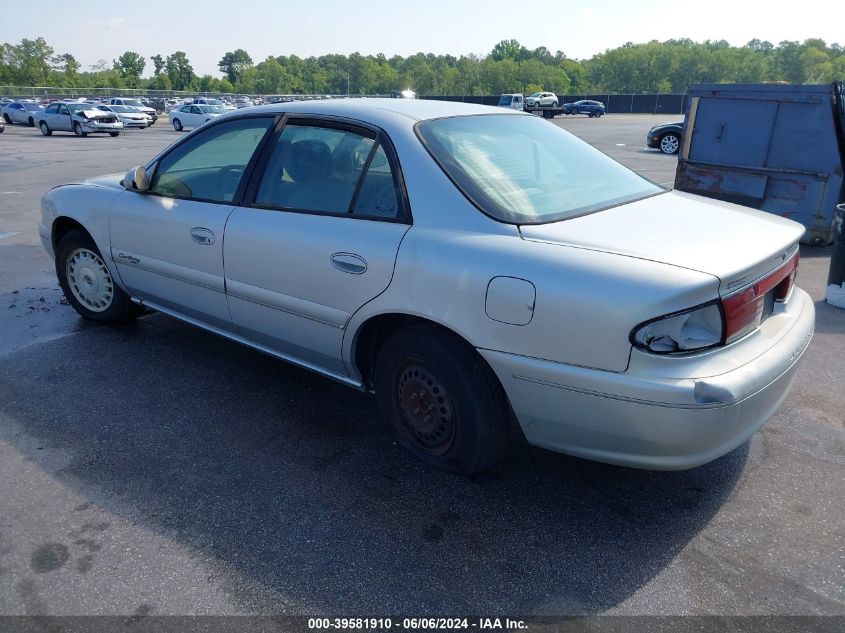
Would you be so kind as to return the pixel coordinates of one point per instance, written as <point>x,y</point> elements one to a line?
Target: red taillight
<point>744,309</point>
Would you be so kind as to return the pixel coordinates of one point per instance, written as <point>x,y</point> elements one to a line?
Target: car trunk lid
<point>734,243</point>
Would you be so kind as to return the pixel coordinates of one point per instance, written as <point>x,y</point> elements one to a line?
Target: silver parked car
<point>20,112</point>
<point>462,262</point>
<point>80,118</point>
<point>128,115</point>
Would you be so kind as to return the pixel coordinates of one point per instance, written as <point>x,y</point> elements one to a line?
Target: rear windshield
<point>31,106</point>
<point>526,170</point>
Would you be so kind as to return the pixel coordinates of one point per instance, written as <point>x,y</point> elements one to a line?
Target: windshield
<point>133,102</point>
<point>213,102</point>
<point>31,106</point>
<point>212,109</point>
<point>535,94</point>
<point>76,107</point>
<point>526,170</point>
<point>505,100</point>
<point>123,109</point>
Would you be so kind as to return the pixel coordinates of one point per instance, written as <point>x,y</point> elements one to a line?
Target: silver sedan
<point>21,112</point>
<point>461,262</point>
<point>129,116</point>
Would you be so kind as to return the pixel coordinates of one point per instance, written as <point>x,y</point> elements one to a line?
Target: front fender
<point>88,205</point>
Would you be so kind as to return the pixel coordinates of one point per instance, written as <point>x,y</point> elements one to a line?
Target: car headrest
<point>308,159</point>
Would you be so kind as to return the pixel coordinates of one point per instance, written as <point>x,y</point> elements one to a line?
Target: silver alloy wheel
<point>669,144</point>
<point>44,129</point>
<point>89,280</point>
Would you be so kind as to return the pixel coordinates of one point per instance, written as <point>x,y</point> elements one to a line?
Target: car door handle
<point>202,236</point>
<point>349,263</point>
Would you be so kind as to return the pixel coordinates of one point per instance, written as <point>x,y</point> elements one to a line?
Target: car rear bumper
<point>640,419</point>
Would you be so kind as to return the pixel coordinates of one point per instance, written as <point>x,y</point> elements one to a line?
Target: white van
<point>514,101</point>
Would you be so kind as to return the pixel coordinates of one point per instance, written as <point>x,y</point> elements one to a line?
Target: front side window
<point>209,166</point>
<point>63,110</point>
<point>525,170</point>
<point>318,169</point>
<point>53,109</point>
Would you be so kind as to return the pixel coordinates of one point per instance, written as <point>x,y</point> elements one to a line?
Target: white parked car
<point>192,115</point>
<point>138,105</point>
<point>542,100</point>
<point>21,112</point>
<point>461,262</point>
<point>129,116</point>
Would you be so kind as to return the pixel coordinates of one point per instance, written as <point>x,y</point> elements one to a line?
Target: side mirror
<point>136,179</point>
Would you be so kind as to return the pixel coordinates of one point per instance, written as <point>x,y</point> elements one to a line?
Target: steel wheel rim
<point>426,407</point>
<point>669,144</point>
<point>89,280</point>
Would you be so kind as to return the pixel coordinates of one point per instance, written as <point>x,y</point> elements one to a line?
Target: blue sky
<point>205,29</point>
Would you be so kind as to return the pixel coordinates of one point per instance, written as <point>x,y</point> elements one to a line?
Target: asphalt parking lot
<point>158,469</point>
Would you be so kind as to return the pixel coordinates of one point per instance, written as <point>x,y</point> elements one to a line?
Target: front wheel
<point>45,129</point>
<point>113,134</point>
<point>77,129</point>
<point>554,104</point>
<point>177,125</point>
<point>670,143</point>
<point>87,283</point>
<point>442,400</point>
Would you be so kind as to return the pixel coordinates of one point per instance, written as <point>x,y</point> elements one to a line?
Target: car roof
<point>373,109</point>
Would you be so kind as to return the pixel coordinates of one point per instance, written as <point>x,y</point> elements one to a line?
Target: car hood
<point>734,243</point>
<point>666,126</point>
<point>109,181</point>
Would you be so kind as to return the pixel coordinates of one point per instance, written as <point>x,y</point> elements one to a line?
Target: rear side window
<point>209,166</point>
<point>329,170</point>
<point>524,170</point>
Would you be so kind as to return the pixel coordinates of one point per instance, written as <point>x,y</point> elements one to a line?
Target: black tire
<point>113,134</point>
<point>177,125</point>
<point>45,129</point>
<point>554,104</point>
<point>7,119</point>
<point>669,143</point>
<point>427,366</point>
<point>30,122</point>
<point>77,129</point>
<point>119,309</point>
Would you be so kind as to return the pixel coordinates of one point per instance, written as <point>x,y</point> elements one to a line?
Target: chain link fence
<point>655,103</point>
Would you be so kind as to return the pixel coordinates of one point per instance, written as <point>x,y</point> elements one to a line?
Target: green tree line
<point>510,67</point>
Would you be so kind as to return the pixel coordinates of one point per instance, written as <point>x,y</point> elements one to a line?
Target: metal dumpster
<point>775,147</point>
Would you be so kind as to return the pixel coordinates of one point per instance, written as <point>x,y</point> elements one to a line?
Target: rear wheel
<point>7,119</point>
<point>45,129</point>
<point>30,122</point>
<point>177,125</point>
<point>113,134</point>
<point>87,283</point>
<point>444,403</point>
<point>670,143</point>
